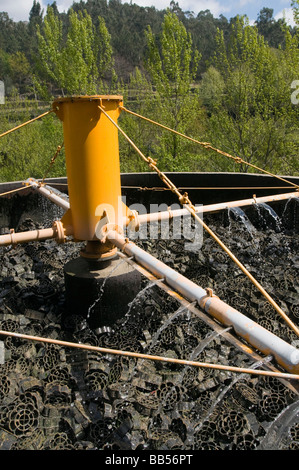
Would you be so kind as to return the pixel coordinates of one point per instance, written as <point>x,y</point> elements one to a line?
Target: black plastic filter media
<point>54,398</point>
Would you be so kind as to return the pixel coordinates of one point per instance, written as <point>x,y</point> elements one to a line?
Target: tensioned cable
<point>27,122</point>
<point>58,150</point>
<point>223,187</point>
<point>185,201</point>
<point>208,146</point>
<point>13,191</point>
<point>89,347</point>
<point>43,179</point>
<point>200,188</point>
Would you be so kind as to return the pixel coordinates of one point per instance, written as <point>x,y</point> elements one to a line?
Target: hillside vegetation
<point>222,81</point>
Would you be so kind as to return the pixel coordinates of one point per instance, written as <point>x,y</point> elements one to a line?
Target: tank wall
<point>146,189</point>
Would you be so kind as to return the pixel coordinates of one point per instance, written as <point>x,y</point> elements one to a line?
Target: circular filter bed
<point>60,398</point>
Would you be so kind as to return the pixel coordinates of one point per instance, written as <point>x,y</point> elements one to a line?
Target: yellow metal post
<point>92,162</point>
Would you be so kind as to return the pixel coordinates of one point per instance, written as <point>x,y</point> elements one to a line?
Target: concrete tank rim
<point>202,187</point>
<point>82,98</point>
<point>9,185</point>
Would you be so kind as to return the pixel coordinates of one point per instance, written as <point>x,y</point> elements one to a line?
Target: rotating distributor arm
<point>50,193</point>
<point>57,232</point>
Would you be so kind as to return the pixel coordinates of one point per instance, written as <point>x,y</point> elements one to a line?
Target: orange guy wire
<point>89,347</point>
<point>27,122</point>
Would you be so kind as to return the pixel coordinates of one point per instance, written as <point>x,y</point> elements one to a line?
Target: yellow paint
<point>92,160</point>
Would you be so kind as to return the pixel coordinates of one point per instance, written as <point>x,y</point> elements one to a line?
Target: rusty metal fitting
<point>12,236</point>
<point>170,212</point>
<point>125,244</point>
<point>209,291</point>
<point>28,182</point>
<point>152,164</point>
<point>60,232</point>
<point>184,200</point>
<point>134,220</point>
<point>98,250</point>
<point>107,228</point>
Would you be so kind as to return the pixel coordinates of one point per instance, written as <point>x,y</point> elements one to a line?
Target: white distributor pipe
<point>260,338</point>
<point>60,200</point>
<point>49,193</point>
<point>165,215</point>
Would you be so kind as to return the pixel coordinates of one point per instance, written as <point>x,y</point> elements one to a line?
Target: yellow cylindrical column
<point>92,161</point>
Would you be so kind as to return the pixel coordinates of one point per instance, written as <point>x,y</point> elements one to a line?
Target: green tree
<point>8,38</point>
<point>272,30</point>
<point>35,19</point>
<point>4,65</point>
<point>251,115</point>
<point>28,151</point>
<point>139,93</point>
<point>79,60</point>
<point>50,45</point>
<point>20,70</point>
<point>79,63</point>
<point>172,64</point>
<point>104,51</point>
<point>203,29</point>
<point>295,7</point>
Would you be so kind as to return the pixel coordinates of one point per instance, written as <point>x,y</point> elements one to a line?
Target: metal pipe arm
<point>50,193</point>
<point>285,354</point>
<point>170,214</point>
<point>57,231</point>
<point>13,238</point>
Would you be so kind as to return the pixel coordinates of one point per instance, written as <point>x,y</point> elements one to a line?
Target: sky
<point>19,10</point>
